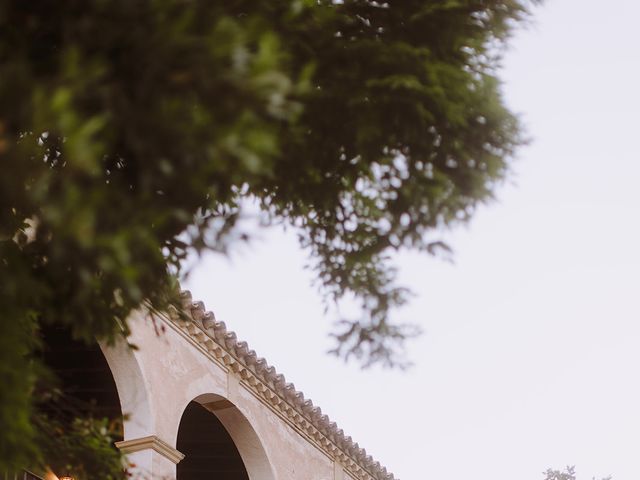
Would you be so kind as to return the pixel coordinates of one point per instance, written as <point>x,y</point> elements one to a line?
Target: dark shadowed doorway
<point>208,449</point>
<point>83,375</point>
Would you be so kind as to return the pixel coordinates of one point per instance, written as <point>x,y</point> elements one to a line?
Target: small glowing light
<point>65,478</point>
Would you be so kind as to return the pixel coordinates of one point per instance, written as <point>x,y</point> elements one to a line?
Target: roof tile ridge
<point>227,339</point>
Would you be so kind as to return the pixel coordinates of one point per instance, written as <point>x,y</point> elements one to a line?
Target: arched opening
<point>83,374</point>
<point>209,450</point>
<point>76,408</point>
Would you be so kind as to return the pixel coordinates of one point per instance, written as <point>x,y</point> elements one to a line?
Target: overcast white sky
<point>530,354</point>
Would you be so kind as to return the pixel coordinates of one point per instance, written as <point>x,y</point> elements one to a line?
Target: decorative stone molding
<point>270,387</point>
<point>151,443</point>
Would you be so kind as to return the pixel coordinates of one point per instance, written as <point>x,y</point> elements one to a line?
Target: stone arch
<point>243,435</point>
<point>132,388</point>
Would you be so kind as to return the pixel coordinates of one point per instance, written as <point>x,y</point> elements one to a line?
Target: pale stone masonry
<point>189,356</point>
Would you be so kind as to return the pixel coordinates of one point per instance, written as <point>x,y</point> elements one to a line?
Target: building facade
<point>200,404</point>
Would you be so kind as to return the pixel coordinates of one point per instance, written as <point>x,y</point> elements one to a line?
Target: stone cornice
<point>151,443</point>
<point>271,388</point>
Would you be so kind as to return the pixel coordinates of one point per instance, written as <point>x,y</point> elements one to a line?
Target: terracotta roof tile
<point>217,331</point>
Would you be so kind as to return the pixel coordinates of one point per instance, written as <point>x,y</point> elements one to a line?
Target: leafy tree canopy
<point>131,131</point>
<point>569,473</point>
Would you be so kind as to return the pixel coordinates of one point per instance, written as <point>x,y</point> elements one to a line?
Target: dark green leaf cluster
<point>131,131</point>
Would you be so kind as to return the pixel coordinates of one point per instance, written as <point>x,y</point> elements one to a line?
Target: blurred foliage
<point>569,473</point>
<point>131,131</point>
<point>80,447</point>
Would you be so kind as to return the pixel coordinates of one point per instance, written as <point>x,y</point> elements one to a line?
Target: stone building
<point>199,404</point>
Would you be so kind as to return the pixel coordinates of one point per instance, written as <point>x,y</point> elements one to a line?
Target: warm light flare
<point>49,475</point>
